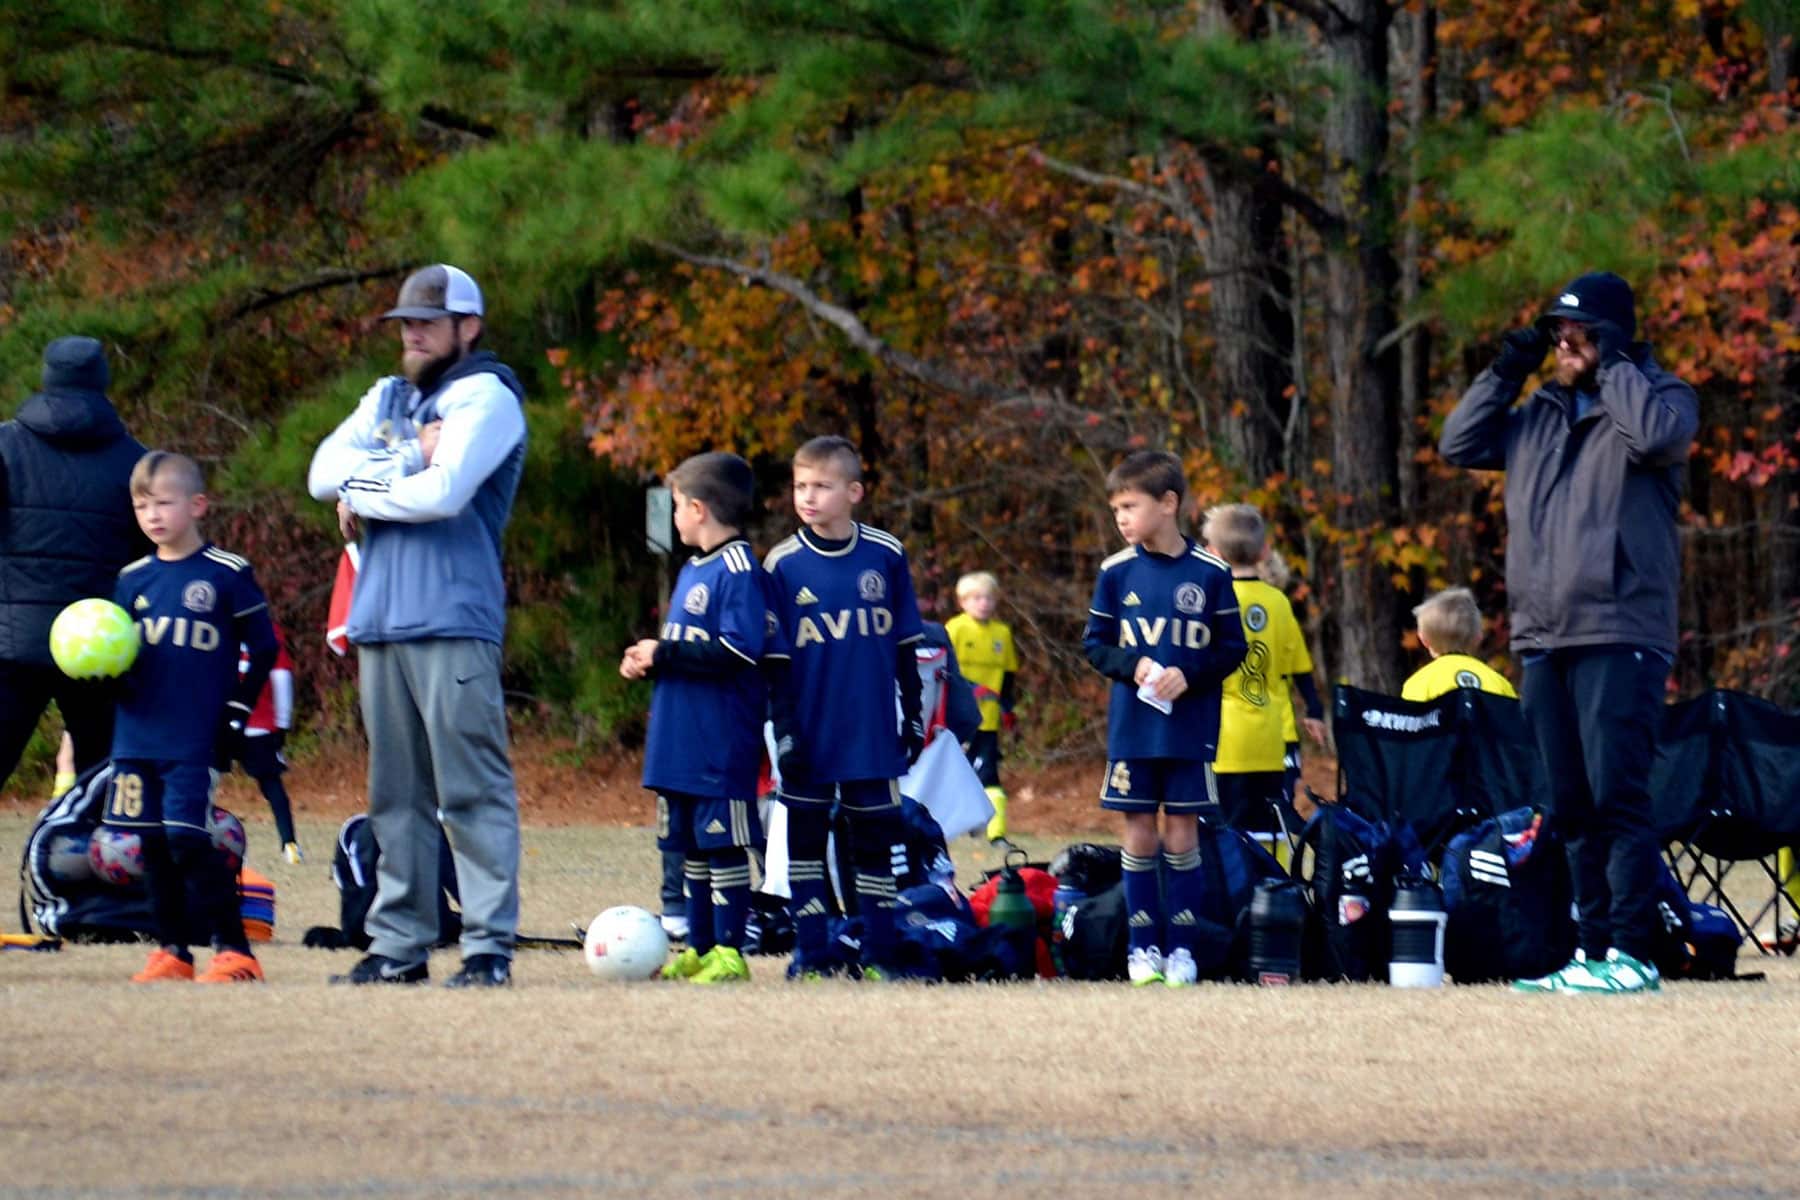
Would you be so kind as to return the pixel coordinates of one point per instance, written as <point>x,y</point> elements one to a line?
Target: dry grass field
<point>566,1087</point>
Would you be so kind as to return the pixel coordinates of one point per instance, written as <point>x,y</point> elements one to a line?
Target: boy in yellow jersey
<point>984,650</point>
<point>1251,766</point>
<point>1450,628</point>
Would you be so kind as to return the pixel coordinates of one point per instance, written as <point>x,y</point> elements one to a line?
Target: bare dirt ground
<point>567,1087</point>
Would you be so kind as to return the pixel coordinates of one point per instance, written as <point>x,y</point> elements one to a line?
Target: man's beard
<point>1579,376</point>
<point>423,373</point>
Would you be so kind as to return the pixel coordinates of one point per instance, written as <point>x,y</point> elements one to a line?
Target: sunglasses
<point>1570,336</point>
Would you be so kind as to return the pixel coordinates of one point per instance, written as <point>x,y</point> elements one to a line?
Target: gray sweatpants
<point>436,725</point>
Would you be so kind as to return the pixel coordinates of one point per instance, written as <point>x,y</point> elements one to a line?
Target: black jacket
<point>1592,554</point>
<point>66,526</point>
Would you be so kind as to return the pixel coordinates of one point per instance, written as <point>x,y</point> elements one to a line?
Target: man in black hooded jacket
<point>66,527</point>
<point>1594,462</point>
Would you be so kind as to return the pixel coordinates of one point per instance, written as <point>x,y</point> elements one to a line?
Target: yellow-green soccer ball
<point>94,639</point>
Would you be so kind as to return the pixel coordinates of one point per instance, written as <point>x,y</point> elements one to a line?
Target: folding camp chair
<point>1440,765</point>
<point>1726,789</point>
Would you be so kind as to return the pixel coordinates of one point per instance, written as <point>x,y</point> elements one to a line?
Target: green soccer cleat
<point>1628,974</point>
<point>723,965</point>
<point>689,963</point>
<point>1575,972</point>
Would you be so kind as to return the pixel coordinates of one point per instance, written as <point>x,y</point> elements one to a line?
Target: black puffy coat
<point>67,526</point>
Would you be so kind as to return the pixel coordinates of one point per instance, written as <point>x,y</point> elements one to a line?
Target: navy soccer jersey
<point>844,614</point>
<point>706,724</point>
<point>192,615</point>
<point>1180,612</point>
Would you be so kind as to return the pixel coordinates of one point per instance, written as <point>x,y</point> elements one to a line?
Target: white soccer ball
<point>93,639</point>
<point>626,942</point>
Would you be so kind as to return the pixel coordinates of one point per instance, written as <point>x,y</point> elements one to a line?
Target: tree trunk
<point>1420,48</point>
<point>1360,284</point>
<point>1242,248</point>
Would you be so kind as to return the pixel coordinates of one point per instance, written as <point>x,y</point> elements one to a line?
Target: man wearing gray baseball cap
<point>426,469</point>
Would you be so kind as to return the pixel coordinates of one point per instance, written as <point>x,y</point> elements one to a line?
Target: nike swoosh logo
<point>462,679</point>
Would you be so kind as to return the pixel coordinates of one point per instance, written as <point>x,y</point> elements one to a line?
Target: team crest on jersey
<point>871,586</point>
<point>695,602</point>
<point>199,596</point>
<point>1468,679</point>
<point>1190,599</point>
<point>1256,618</point>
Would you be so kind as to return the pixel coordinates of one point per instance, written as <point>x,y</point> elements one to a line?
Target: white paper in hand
<point>1147,691</point>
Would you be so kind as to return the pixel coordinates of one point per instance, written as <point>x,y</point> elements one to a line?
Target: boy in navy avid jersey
<point>1164,627</point>
<point>705,746</point>
<point>843,598</point>
<point>181,712</point>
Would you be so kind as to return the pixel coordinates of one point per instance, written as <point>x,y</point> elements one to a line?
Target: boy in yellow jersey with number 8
<point>1251,765</point>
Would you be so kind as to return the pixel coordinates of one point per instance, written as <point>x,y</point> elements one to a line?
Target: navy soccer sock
<point>1143,908</point>
<point>275,792</point>
<point>877,839</point>
<point>168,902</point>
<point>1185,895</point>
<point>730,896</point>
<point>212,891</point>
<point>808,904</point>
<point>698,873</point>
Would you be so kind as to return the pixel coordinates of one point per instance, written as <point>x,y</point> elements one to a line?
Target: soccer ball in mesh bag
<point>626,942</point>
<point>117,855</point>
<point>228,834</point>
<point>93,639</point>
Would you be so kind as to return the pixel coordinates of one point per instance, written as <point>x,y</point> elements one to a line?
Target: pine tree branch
<point>267,298</point>
<point>212,56</point>
<point>1115,183</point>
<point>937,375</point>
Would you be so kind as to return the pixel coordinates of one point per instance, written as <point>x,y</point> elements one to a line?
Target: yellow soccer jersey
<point>1253,733</point>
<point>1451,671</point>
<point>984,651</point>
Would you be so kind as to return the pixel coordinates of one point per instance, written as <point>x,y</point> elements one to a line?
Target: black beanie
<point>76,364</point>
<point>1597,296</point>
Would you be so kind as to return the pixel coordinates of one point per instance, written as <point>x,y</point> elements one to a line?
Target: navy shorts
<point>698,823</point>
<point>146,793</point>
<point>853,795</point>
<point>1177,785</point>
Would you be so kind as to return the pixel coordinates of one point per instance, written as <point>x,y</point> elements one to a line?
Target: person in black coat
<point>66,528</point>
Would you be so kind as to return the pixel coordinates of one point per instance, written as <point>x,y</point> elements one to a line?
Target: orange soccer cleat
<point>230,966</point>
<point>164,967</point>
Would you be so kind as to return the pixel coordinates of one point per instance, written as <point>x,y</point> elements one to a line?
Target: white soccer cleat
<point>1145,966</point>
<point>1180,969</point>
<point>292,853</point>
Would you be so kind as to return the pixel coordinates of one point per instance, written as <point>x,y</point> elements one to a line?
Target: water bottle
<point>1012,908</point>
<point>1277,922</point>
<point>1068,896</point>
<point>1417,919</point>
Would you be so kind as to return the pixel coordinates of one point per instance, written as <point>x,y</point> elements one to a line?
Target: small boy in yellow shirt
<point>1450,628</point>
<point>985,652</point>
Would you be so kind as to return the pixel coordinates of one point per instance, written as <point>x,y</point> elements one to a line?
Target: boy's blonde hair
<point>977,581</point>
<point>1450,622</point>
<point>837,453</point>
<point>1274,571</point>
<point>1237,532</point>
<point>178,469</point>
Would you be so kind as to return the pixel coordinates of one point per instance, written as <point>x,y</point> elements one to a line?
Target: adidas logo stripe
<point>812,908</point>
<point>805,596</point>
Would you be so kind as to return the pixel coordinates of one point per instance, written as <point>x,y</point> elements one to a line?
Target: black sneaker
<point>379,968</point>
<point>482,970</point>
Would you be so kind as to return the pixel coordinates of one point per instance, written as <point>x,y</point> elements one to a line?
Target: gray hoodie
<point>1592,555</point>
<point>431,537</point>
